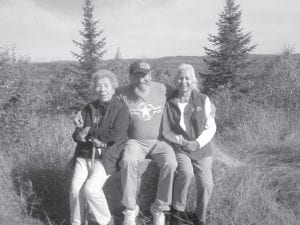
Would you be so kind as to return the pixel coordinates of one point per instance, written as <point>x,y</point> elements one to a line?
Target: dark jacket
<point>194,119</point>
<point>108,123</point>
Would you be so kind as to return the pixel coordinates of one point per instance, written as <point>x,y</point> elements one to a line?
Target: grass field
<point>265,190</point>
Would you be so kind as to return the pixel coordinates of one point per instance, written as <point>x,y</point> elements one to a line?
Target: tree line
<point>226,61</point>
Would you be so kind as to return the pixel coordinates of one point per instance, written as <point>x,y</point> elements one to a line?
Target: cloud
<point>45,28</point>
<point>35,31</point>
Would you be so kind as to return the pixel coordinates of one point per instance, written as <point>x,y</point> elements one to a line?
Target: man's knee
<point>169,158</point>
<point>170,163</point>
<point>128,162</point>
<point>186,173</point>
<point>130,158</point>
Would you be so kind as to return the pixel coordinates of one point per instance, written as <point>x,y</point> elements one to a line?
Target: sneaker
<point>196,221</point>
<point>94,222</point>
<point>130,216</point>
<point>158,217</point>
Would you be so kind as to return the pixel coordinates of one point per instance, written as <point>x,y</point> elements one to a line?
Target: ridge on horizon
<point>158,58</point>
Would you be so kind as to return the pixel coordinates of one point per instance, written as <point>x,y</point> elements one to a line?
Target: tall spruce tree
<point>93,42</point>
<point>229,56</point>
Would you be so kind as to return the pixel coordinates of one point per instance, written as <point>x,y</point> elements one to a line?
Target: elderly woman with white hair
<point>102,123</point>
<point>189,126</point>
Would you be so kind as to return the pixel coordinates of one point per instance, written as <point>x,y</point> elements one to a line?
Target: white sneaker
<point>158,217</point>
<point>130,216</point>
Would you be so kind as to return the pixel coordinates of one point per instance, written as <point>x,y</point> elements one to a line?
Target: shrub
<point>20,95</point>
<point>279,84</point>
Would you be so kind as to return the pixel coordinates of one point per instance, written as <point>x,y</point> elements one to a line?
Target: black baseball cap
<point>139,66</point>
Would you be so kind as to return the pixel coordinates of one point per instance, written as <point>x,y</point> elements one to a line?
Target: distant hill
<point>165,63</point>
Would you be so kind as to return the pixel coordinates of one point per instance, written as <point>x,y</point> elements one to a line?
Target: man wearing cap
<point>145,100</point>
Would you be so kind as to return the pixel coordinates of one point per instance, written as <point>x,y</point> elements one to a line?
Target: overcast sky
<point>44,29</point>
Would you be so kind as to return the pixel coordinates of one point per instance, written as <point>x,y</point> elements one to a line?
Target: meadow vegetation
<point>259,125</point>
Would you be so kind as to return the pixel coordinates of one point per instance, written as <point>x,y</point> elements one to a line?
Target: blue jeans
<point>164,156</point>
<point>187,169</point>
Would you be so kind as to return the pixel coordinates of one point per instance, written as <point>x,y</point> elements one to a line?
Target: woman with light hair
<point>189,126</point>
<point>103,125</point>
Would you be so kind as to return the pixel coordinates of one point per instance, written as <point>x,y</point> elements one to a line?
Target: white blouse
<point>181,106</point>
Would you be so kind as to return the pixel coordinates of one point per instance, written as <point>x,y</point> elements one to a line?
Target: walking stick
<point>86,214</point>
<point>93,159</point>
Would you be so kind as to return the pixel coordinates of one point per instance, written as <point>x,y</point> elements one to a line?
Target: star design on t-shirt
<point>146,111</point>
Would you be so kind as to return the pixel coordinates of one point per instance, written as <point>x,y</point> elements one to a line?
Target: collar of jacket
<point>100,103</point>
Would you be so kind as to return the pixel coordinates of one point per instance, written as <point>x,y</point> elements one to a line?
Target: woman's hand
<point>190,145</point>
<point>83,134</point>
<point>78,120</point>
<point>98,143</point>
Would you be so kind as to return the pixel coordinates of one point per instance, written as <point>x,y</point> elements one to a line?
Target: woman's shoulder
<point>89,106</point>
<point>199,94</point>
<point>172,94</point>
<point>118,103</point>
<point>198,97</point>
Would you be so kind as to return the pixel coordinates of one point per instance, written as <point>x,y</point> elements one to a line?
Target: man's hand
<point>190,145</point>
<point>82,134</point>
<point>78,120</point>
<point>98,143</point>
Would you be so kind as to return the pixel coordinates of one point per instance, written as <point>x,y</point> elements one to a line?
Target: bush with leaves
<point>279,85</point>
<point>19,98</point>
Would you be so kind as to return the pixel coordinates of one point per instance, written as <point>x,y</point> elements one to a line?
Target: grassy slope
<point>266,191</point>
<point>12,208</point>
<point>36,166</point>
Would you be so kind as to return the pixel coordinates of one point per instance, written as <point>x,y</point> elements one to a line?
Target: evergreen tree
<point>229,57</point>
<point>92,43</point>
